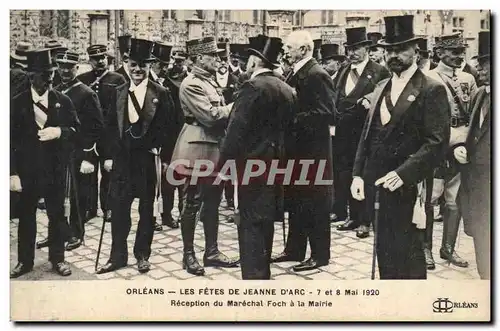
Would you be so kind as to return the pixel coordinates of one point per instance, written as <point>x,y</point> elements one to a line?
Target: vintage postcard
<point>250,165</point>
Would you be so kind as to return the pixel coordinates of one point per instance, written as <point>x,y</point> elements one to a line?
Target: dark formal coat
<point>229,88</point>
<point>475,187</point>
<point>256,130</point>
<point>351,115</point>
<point>471,70</point>
<point>19,81</point>
<point>31,159</point>
<point>173,83</point>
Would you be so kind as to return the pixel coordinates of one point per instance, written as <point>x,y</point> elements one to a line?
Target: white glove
<point>108,165</point>
<point>365,103</point>
<point>460,154</point>
<point>50,133</point>
<point>391,181</point>
<point>332,130</point>
<point>15,184</point>
<point>358,188</point>
<point>86,167</point>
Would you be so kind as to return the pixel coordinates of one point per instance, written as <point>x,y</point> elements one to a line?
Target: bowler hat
<point>124,43</point>
<point>398,30</point>
<point>374,37</point>
<point>97,50</point>
<point>67,57</point>
<point>162,52</point>
<point>19,54</point>
<point>484,44</point>
<point>452,41</point>
<point>40,60</point>
<point>141,50</point>
<point>206,45</point>
<point>266,48</point>
<point>356,37</point>
<point>329,51</point>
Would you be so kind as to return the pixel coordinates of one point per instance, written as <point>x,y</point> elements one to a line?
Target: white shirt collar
<point>462,66</point>
<point>233,68</point>
<point>406,75</point>
<point>300,64</point>
<point>140,88</point>
<point>44,99</point>
<point>360,66</point>
<point>260,71</point>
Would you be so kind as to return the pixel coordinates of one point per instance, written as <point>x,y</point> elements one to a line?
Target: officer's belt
<point>456,122</point>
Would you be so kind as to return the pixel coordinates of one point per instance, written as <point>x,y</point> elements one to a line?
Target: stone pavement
<point>350,257</point>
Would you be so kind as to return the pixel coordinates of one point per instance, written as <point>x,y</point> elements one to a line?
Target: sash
<point>71,87</point>
<point>41,114</point>
<point>98,78</point>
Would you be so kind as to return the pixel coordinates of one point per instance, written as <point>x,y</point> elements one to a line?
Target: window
<point>201,14</point>
<point>461,21</point>
<point>296,18</point>
<point>63,23</point>
<point>224,15</point>
<point>46,23</point>
<point>170,14</point>
<point>330,17</point>
<point>256,16</point>
<point>458,22</point>
<point>327,17</point>
<point>483,24</point>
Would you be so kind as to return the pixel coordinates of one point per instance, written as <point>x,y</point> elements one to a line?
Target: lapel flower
<point>369,76</point>
<point>58,105</point>
<point>411,98</point>
<point>155,101</point>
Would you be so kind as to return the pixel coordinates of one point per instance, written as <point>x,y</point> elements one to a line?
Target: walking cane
<point>104,220</point>
<point>375,229</point>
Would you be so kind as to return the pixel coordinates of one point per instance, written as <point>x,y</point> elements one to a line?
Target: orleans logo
<point>443,305</point>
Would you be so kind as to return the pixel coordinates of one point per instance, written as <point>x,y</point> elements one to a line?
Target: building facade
<point>77,29</point>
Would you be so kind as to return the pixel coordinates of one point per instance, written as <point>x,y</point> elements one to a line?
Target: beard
<point>396,65</point>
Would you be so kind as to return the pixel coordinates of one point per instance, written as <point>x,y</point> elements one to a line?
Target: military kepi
<point>206,45</point>
<point>452,41</point>
<point>40,60</point>
<point>97,50</point>
<point>67,57</point>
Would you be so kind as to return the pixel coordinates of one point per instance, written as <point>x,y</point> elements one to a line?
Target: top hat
<point>19,54</point>
<point>141,50</point>
<point>316,49</point>
<point>40,60</point>
<point>484,44</point>
<point>67,57</point>
<point>162,52</point>
<point>239,50</point>
<point>422,46</point>
<point>356,37</point>
<point>206,45</point>
<point>97,50</point>
<point>398,30</point>
<point>329,51</point>
<point>452,41</point>
<point>266,48</point>
<point>374,37</point>
<point>224,53</point>
<point>124,43</point>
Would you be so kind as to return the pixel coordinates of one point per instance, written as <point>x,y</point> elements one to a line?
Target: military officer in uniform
<point>124,46</point>
<point>55,48</point>
<point>139,125</point>
<point>263,109</point>
<point>404,137</point>
<point>206,117</point>
<point>475,159</point>
<point>103,82</point>
<point>44,125</point>
<point>460,87</point>
<point>354,80</point>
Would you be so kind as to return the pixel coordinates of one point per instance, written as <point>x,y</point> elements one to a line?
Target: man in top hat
<point>354,80</point>
<point>103,82</point>
<point>55,48</point>
<point>475,159</point>
<point>159,75</point>
<point>424,63</point>
<point>404,137</point>
<point>124,46</point>
<point>235,52</point>
<point>89,113</point>
<point>460,87</point>
<point>44,125</point>
<point>18,78</point>
<point>308,213</point>
<point>263,109</point>
<point>376,52</point>
<point>242,63</point>
<point>331,59</point>
<point>317,50</point>
<point>140,119</point>
<point>206,115</point>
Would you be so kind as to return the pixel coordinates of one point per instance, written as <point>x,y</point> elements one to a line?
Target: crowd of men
<point>405,138</point>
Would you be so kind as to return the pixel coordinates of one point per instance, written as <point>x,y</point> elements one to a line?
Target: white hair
<point>301,38</point>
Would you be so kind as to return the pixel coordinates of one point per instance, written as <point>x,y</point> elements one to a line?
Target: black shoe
<point>284,257</point>
<point>42,243</point>
<point>220,260</point>
<point>109,267</point>
<point>62,268</point>
<point>191,265</point>
<point>348,225</point>
<point>363,232</point>
<point>158,227</point>
<point>90,214</point>
<point>20,269</point>
<point>41,205</point>
<point>309,264</point>
<point>143,265</point>
<point>170,222</point>
<point>429,260</point>
<point>335,218</point>
<point>453,258</point>
<point>73,243</point>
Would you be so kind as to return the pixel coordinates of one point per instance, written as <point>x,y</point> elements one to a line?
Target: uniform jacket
<point>30,158</point>
<point>206,118</point>
<point>89,113</point>
<point>350,114</point>
<point>475,187</point>
<point>19,81</point>
<point>122,72</point>
<point>415,139</point>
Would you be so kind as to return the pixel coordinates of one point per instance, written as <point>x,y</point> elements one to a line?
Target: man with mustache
<point>475,160</point>
<point>235,65</point>
<point>353,81</point>
<point>404,137</point>
<point>55,49</point>
<point>140,120</point>
<point>43,126</point>
<point>89,113</point>
<point>376,52</point>
<point>460,88</point>
<point>331,60</point>
<point>103,82</point>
